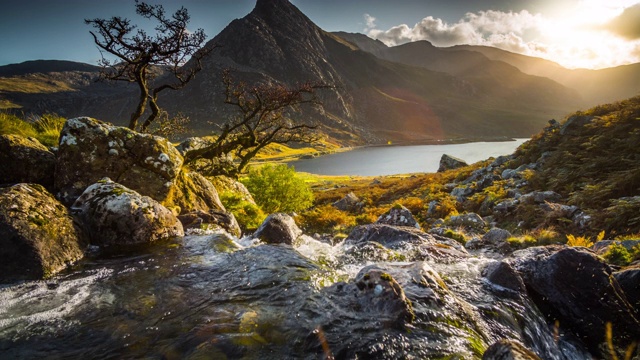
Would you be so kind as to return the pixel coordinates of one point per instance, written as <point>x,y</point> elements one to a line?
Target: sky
<point>573,33</point>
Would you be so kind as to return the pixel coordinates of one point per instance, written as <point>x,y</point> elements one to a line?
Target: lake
<point>390,160</point>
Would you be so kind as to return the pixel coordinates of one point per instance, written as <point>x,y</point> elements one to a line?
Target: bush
<point>457,236</point>
<point>578,241</point>
<point>617,255</point>
<point>522,242</point>
<point>327,219</point>
<point>248,215</point>
<point>278,189</point>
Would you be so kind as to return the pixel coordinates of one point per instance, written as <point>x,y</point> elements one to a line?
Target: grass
<point>45,128</point>
<point>32,85</point>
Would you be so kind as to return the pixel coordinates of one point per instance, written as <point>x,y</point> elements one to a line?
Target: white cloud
<point>370,22</point>
<point>573,39</point>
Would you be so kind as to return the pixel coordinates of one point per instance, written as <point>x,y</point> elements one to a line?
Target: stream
<point>215,297</point>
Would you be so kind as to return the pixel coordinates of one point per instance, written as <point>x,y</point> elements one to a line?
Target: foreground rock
<point>113,214</point>
<point>38,237</point>
<point>150,165</point>
<point>278,228</point>
<point>629,280</point>
<point>577,288</point>
<point>25,160</point>
<point>91,150</point>
<point>208,220</point>
<point>448,162</point>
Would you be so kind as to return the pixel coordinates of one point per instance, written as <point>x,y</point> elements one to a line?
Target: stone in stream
<point>204,220</point>
<point>113,214</point>
<point>25,160</point>
<point>576,287</point>
<point>278,228</point>
<point>38,237</point>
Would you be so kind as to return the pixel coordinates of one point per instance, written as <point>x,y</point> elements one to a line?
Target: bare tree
<point>262,119</point>
<point>136,53</point>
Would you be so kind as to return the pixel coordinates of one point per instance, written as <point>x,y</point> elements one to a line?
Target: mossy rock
<point>25,160</point>
<point>38,237</point>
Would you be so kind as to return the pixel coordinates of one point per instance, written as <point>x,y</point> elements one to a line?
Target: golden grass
<point>32,85</point>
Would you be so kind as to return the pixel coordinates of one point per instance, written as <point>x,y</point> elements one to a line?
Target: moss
<point>385,276</point>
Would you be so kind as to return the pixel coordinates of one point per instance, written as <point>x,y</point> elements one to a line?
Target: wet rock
<point>348,203</point>
<point>91,150</point>
<point>470,221</point>
<point>208,220</point>
<point>113,214</point>
<point>509,350</point>
<point>629,280</point>
<point>398,216</point>
<point>448,162</point>
<point>504,275</point>
<point>278,228</point>
<point>577,288</point>
<point>25,160</point>
<point>38,237</point>
<point>410,242</point>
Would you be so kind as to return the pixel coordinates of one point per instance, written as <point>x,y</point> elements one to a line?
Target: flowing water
<point>215,297</point>
<point>390,160</point>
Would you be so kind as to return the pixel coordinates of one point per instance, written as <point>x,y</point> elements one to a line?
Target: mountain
<point>594,86</point>
<point>46,66</point>
<point>410,93</point>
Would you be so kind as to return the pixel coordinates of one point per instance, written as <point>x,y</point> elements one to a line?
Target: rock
<point>226,184</point>
<point>206,220</point>
<point>629,280</point>
<point>470,221</point>
<point>559,210</point>
<point>91,150</point>
<point>348,203</point>
<point>504,275</point>
<point>278,228</point>
<point>448,162</point>
<point>574,124</point>
<point>25,160</point>
<point>38,237</point>
<point>581,220</point>
<point>539,197</point>
<point>461,192</point>
<point>574,286</point>
<point>602,246</point>
<point>508,174</point>
<point>398,216</point>
<point>509,350</point>
<point>501,160</point>
<point>411,242</point>
<point>113,214</point>
<point>189,145</point>
<point>190,192</point>
<point>506,205</point>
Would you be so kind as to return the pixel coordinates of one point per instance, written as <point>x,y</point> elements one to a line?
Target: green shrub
<point>457,236</point>
<point>248,215</point>
<point>278,189</point>
<point>617,255</point>
<point>522,242</point>
<point>11,124</point>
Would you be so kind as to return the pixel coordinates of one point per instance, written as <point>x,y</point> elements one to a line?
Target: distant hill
<point>45,66</point>
<point>410,93</point>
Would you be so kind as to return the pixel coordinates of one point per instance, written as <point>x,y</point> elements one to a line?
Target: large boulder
<point>278,228</point>
<point>629,280</point>
<point>191,192</point>
<point>575,287</point>
<point>90,150</point>
<point>448,162</point>
<point>398,216</point>
<point>113,214</point>
<point>469,221</point>
<point>25,160</point>
<point>38,236</point>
